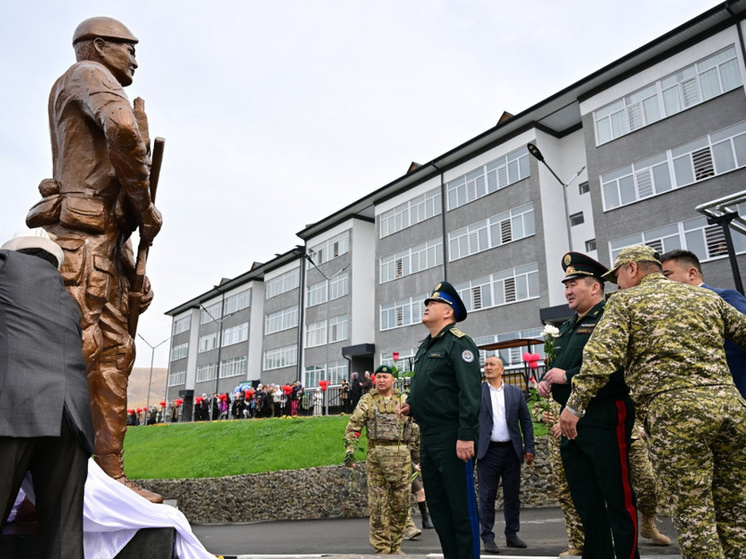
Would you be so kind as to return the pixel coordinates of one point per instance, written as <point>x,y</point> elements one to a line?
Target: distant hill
<point>137,391</point>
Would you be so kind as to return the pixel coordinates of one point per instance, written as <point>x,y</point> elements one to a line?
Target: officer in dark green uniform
<point>444,399</point>
<point>596,462</point>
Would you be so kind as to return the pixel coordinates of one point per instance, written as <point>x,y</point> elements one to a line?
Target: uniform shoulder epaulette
<point>456,332</point>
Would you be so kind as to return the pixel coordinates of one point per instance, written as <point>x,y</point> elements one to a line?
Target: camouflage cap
<point>446,293</point>
<point>578,265</point>
<point>635,253</point>
<point>385,370</point>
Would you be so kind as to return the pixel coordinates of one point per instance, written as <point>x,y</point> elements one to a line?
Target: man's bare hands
<point>465,450</point>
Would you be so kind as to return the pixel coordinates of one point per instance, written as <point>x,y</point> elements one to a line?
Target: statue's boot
<point>114,467</point>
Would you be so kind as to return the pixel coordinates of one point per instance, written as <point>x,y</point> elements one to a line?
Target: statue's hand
<point>142,120</point>
<point>151,223</point>
<point>147,295</point>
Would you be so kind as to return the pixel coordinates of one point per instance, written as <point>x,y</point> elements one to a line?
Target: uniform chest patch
<point>586,328</point>
<point>467,356</point>
<point>436,354</point>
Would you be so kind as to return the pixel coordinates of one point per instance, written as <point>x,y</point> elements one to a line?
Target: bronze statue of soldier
<point>99,194</point>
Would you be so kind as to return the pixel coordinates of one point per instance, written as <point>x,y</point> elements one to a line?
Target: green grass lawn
<point>226,448</point>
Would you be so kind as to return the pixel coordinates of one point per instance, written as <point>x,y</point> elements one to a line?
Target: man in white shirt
<point>501,451</point>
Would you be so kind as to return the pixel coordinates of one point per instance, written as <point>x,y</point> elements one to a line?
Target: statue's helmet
<point>104,27</point>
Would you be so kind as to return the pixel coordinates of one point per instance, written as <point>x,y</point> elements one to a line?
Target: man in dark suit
<point>45,420</point>
<point>683,266</point>
<point>502,449</point>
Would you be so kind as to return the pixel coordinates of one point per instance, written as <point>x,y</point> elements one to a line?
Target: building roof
<point>557,115</point>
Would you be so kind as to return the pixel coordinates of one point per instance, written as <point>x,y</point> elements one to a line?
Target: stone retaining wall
<point>313,493</point>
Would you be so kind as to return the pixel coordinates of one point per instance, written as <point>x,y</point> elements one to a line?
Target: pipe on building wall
<point>443,221</point>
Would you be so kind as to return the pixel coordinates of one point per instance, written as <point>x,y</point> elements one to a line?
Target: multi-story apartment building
<point>624,156</point>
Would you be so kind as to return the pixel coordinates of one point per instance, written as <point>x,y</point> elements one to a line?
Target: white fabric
<point>112,514</point>
<point>500,431</point>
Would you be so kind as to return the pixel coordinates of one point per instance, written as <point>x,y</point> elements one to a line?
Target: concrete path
<point>542,529</point>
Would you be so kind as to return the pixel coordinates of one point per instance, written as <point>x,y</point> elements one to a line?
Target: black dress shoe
<point>491,547</point>
<point>515,541</point>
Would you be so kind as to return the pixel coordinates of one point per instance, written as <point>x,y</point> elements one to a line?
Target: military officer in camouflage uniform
<point>646,488</point>
<point>669,337</point>
<point>445,397</point>
<point>389,463</point>
<point>573,524</point>
<point>596,462</point>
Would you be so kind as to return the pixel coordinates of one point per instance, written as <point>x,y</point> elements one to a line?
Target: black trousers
<point>451,496</point>
<point>59,467</point>
<point>597,468</point>
<point>499,462</point>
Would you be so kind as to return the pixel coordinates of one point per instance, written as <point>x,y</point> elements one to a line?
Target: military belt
<point>375,442</point>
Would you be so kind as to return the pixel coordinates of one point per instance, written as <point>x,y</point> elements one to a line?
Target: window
<point>498,230</point>
<point>512,358</point>
<point>329,249</point>
<point>317,294</point>
<point>584,188</point>
<point>236,334</point>
<point>410,213</point>
<point>410,261</point>
<point>501,288</point>
<point>210,313</point>
<point>489,178</point>
<point>281,357</point>
<point>176,378</point>
<point>711,155</point>
<point>314,373</point>
<point>339,286</point>
<point>316,334</point>
<point>406,359</point>
<point>590,245</point>
<point>208,342</point>
<point>577,219</point>
<point>677,92</point>
<point>180,351</point>
<point>182,325</point>
<point>338,328</point>
<point>233,367</point>
<point>237,302</point>
<point>706,241</point>
<point>282,284</point>
<point>281,320</point>
<point>403,312</point>
<point>206,372</point>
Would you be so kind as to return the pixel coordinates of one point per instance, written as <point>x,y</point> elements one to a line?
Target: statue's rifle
<point>138,285</point>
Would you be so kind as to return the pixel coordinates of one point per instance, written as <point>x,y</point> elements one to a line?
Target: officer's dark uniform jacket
<point>569,356</point>
<point>445,393</point>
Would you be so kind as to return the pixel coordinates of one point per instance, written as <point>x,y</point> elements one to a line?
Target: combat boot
<point>113,466</point>
<point>650,531</point>
<point>426,523</point>
<point>411,532</point>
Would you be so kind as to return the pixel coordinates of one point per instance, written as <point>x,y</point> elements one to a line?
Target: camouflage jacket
<point>667,335</point>
<point>377,414</point>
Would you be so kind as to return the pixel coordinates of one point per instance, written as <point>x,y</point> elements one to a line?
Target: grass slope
<point>224,448</point>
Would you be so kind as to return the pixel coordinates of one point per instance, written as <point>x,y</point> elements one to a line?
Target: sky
<point>277,114</point>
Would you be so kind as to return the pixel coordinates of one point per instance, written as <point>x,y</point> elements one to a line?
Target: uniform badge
<point>467,356</point>
<point>567,259</point>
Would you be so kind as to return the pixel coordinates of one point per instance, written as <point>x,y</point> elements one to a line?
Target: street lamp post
<point>533,150</point>
<point>152,357</point>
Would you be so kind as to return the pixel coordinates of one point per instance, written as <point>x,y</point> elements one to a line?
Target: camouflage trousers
<point>642,476</point>
<point>697,441</point>
<point>573,524</point>
<point>389,468</point>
